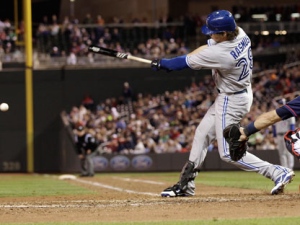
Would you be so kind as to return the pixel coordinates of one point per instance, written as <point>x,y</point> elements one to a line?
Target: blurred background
<point>141,120</point>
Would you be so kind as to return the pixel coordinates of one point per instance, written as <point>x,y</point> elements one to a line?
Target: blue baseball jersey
<point>290,109</point>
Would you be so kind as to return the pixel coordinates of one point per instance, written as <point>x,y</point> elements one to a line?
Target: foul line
<point>139,181</point>
<point>97,184</point>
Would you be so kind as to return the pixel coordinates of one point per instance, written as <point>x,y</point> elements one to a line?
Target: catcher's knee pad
<point>188,173</point>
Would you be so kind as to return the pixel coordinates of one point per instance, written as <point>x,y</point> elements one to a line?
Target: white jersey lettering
<point>240,47</point>
<point>234,71</point>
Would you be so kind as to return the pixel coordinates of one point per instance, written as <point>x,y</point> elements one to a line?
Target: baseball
<point>4,107</point>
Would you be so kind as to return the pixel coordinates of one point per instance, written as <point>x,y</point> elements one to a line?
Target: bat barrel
<point>103,51</point>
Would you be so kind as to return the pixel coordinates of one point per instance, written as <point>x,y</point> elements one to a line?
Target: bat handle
<point>139,59</point>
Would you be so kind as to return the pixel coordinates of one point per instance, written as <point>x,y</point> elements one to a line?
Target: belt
<point>236,93</point>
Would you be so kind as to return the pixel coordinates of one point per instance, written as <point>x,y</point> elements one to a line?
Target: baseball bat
<point>116,54</point>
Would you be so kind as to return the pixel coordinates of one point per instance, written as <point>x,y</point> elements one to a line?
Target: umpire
<point>86,146</point>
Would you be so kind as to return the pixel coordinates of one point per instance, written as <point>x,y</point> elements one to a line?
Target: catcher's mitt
<point>237,149</point>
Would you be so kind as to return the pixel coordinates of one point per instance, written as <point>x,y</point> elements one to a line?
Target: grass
<point>242,179</point>
<point>37,185</point>
<point>238,179</point>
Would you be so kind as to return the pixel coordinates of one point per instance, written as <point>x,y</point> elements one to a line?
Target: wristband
<point>250,129</point>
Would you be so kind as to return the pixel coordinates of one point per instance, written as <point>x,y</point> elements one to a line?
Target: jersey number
<point>247,64</point>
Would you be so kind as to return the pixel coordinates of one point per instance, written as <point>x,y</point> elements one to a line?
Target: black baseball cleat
<point>174,191</point>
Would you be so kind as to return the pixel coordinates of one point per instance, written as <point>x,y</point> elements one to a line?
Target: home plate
<point>67,177</point>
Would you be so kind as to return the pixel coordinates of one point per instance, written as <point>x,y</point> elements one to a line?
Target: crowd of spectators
<point>69,37</point>
<point>8,38</point>
<point>167,122</point>
<point>271,11</point>
<point>73,36</point>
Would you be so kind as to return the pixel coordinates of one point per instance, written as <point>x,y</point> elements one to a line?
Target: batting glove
<point>155,65</point>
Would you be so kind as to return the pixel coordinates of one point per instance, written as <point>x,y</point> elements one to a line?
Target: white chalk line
<point>45,206</point>
<point>139,180</point>
<point>97,184</point>
<point>83,204</point>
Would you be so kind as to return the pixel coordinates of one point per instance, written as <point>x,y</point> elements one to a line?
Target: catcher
<point>237,136</point>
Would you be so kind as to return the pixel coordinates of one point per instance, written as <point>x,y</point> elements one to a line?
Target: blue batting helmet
<point>219,21</point>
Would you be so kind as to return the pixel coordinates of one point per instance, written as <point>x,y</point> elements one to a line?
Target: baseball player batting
<point>228,54</point>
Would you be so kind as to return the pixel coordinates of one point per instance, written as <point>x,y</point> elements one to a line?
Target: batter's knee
<point>225,158</point>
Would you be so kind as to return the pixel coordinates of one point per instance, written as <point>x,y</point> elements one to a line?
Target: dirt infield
<point>121,199</point>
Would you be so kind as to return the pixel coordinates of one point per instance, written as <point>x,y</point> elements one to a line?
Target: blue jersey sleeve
<point>177,63</point>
